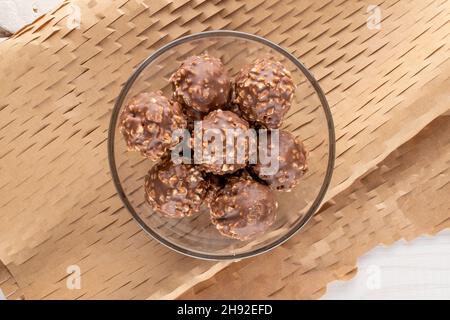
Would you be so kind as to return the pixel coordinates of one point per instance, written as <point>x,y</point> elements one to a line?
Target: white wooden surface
<point>419,269</point>
<point>14,14</point>
<point>416,270</point>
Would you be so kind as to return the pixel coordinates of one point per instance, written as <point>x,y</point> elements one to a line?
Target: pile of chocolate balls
<point>240,197</point>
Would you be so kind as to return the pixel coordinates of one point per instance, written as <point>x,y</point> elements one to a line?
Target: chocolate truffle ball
<point>212,148</point>
<point>201,83</point>
<point>264,90</point>
<point>147,124</point>
<point>175,191</point>
<point>193,115</point>
<point>291,160</point>
<point>243,209</point>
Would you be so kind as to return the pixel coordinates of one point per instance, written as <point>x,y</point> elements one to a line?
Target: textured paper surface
<point>9,289</point>
<point>58,206</point>
<point>406,195</point>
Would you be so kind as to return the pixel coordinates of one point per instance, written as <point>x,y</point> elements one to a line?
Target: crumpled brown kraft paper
<point>58,206</point>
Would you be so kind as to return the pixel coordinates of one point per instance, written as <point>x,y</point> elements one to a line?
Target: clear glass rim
<point>112,130</point>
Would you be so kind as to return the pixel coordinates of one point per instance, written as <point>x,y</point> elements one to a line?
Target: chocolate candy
<point>147,124</point>
<point>264,90</point>
<point>175,191</point>
<point>241,202</point>
<point>201,83</point>
<point>214,146</point>
<point>216,183</point>
<point>292,163</point>
<point>192,116</point>
<point>243,208</point>
<point>233,108</point>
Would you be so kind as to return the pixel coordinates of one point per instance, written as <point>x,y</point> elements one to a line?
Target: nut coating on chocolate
<point>192,116</point>
<point>147,124</point>
<point>243,209</point>
<point>233,108</point>
<point>201,83</point>
<point>264,90</point>
<point>216,183</point>
<point>175,191</point>
<point>292,163</point>
<point>215,128</point>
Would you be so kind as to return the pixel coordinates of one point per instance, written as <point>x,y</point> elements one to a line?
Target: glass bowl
<point>309,118</point>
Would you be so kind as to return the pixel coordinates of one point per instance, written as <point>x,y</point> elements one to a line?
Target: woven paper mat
<point>58,206</point>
